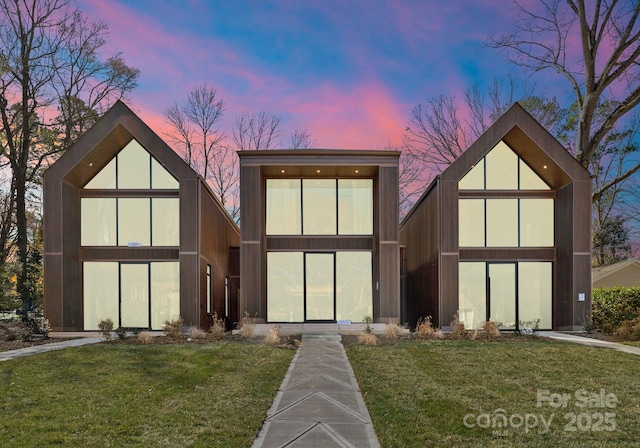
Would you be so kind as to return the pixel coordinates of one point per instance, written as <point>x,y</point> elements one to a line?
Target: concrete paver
<point>29,351</point>
<point>319,402</point>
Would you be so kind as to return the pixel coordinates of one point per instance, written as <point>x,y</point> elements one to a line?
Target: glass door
<point>320,287</point>
<point>502,295</point>
<point>134,295</point>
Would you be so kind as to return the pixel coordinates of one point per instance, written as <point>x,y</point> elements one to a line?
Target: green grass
<point>205,395</point>
<point>632,343</point>
<point>418,394</point>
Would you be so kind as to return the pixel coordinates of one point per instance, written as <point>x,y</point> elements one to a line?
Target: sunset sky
<point>347,71</point>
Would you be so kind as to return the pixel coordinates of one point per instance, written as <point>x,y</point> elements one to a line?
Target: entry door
<point>134,295</point>
<point>320,287</point>
<point>502,288</point>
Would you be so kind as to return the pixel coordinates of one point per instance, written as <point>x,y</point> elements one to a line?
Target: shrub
<point>196,333</point>
<point>457,328</point>
<point>106,327</point>
<point>173,329</point>
<point>121,332</point>
<point>393,330</point>
<point>246,331</point>
<point>424,328</point>
<point>612,306</point>
<point>145,337</point>
<point>368,338</point>
<point>217,328</point>
<point>273,336</point>
<point>473,335</point>
<point>439,334</point>
<point>491,331</point>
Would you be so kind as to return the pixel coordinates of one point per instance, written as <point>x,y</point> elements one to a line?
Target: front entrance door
<point>319,301</point>
<point>134,295</point>
<point>502,290</point>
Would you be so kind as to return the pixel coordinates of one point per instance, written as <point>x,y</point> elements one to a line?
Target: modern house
<point>503,234</point>
<point>319,235</point>
<point>624,273</point>
<point>132,233</point>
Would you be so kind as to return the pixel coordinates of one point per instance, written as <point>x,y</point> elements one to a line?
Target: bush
<point>393,330</point>
<point>273,337</point>
<point>424,328</point>
<point>196,333</point>
<point>145,337</point>
<point>368,338</point>
<point>491,331</point>
<point>611,307</point>
<point>106,327</point>
<point>457,328</point>
<point>173,328</point>
<point>218,328</point>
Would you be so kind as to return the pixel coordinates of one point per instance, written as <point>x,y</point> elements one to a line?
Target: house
<point>503,234</point>
<point>132,233</point>
<point>624,273</point>
<point>319,235</point>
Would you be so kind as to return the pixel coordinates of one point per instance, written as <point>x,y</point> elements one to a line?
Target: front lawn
<point>458,393</point>
<point>200,395</point>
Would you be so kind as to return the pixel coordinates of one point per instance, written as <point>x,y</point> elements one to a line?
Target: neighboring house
<point>132,233</point>
<point>319,235</point>
<point>624,273</point>
<point>503,234</point>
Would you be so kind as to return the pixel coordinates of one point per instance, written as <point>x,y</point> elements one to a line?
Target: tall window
<point>319,206</point>
<point>133,168</point>
<point>130,221</point>
<point>209,289</point>
<point>504,222</point>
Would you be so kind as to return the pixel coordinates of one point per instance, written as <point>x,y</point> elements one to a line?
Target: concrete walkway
<point>319,403</point>
<point>34,350</point>
<point>591,342</point>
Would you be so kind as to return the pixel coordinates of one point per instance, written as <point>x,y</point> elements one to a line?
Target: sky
<point>349,72</point>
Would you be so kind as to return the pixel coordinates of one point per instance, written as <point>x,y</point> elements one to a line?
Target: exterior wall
<point>256,167</point>
<point>63,190</point>
<point>419,233</point>
<point>430,274</point>
<point>217,235</point>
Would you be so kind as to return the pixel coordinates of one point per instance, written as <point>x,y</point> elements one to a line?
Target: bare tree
<point>256,131</point>
<point>37,40</point>
<point>196,127</point>
<point>224,180</point>
<point>441,128</point>
<point>605,70</point>
<point>301,139</point>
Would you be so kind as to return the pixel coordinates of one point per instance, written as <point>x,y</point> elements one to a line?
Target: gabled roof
<point>529,140</point>
<point>605,271</point>
<point>100,144</point>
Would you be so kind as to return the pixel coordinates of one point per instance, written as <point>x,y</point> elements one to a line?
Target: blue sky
<point>347,71</point>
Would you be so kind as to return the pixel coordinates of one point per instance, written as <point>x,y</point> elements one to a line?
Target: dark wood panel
<point>582,216</point>
<point>252,292</point>
<point>116,253</point>
<point>389,277</point>
<point>388,203</point>
<point>325,171</point>
<point>449,216</point>
<point>306,243</point>
<point>189,289</point>
<point>508,254</point>
<point>507,194</point>
<point>129,193</point>
<point>53,306</point>
<point>448,289</point>
<point>189,213</point>
<point>250,199</point>
<point>52,233</point>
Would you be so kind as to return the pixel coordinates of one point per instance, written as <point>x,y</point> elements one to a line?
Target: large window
<point>141,295</point>
<point>516,294</point>
<point>505,222</point>
<point>133,168</point>
<point>130,221</point>
<point>319,206</point>
<point>501,169</point>
<point>319,286</point>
